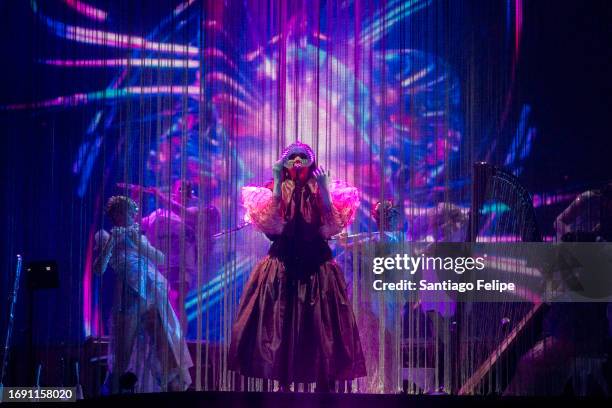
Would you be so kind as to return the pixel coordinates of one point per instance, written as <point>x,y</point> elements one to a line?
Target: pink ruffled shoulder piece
<point>263,209</point>
<point>345,201</point>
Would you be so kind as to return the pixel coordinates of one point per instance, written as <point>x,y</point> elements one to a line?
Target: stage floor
<point>303,400</point>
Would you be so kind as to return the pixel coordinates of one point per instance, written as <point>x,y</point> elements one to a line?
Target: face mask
<point>298,160</point>
<point>298,155</point>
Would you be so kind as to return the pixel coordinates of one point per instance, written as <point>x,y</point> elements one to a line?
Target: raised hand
<point>277,172</point>
<point>277,168</point>
<point>322,177</point>
<point>130,235</point>
<point>135,188</point>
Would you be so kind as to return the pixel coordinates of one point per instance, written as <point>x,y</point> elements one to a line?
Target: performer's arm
<point>151,252</point>
<point>277,172</point>
<point>563,223</point>
<point>104,243</point>
<point>322,177</point>
<point>174,205</point>
<point>165,200</point>
<point>263,204</point>
<point>338,204</point>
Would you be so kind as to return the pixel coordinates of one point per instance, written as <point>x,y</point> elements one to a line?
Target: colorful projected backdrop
<point>213,91</point>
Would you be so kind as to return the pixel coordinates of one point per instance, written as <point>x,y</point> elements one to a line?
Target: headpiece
<point>121,204</point>
<point>299,147</point>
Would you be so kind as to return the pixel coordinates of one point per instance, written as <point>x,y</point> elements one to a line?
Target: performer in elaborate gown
<point>295,323</point>
<point>146,337</point>
<point>183,229</point>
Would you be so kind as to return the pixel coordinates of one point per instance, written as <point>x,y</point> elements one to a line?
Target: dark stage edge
<point>303,400</point>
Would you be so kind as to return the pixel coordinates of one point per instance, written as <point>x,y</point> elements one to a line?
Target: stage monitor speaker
<point>42,275</point>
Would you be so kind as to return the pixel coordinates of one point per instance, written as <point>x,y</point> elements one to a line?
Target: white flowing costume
<point>146,337</point>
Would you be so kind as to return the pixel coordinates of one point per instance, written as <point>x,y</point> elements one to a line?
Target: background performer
<point>146,338</point>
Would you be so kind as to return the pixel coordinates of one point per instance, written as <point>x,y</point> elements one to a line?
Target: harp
<point>493,336</point>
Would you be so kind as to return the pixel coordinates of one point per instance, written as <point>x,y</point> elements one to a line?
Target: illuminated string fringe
<point>353,101</point>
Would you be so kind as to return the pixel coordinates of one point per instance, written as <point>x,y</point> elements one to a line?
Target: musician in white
<point>146,337</point>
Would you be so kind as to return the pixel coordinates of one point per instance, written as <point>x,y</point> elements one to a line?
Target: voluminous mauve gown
<point>295,322</point>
